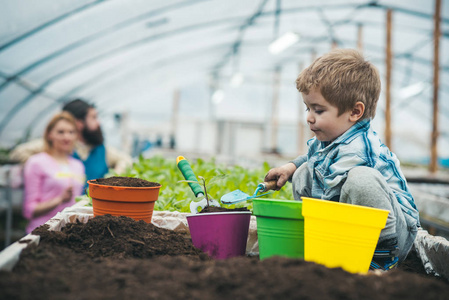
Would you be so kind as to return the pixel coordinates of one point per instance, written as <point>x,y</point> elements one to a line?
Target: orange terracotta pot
<point>133,202</point>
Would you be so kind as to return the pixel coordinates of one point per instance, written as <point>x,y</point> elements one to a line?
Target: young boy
<point>346,161</point>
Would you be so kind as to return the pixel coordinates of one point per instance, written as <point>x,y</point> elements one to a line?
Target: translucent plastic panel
<point>10,97</point>
<point>426,7</point>
<point>251,102</point>
<point>27,119</point>
<point>133,57</point>
<point>287,140</point>
<point>139,56</point>
<point>411,38</point>
<point>143,92</point>
<point>21,16</point>
<point>71,30</point>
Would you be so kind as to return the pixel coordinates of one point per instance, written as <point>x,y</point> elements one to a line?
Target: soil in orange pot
<point>125,181</point>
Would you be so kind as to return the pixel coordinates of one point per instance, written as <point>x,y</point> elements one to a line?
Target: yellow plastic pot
<point>341,235</point>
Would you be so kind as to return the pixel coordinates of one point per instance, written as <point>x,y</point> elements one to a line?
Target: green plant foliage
<point>84,197</point>
<point>220,179</point>
<point>4,155</point>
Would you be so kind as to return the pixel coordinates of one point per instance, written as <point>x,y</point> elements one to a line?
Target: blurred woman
<point>53,178</point>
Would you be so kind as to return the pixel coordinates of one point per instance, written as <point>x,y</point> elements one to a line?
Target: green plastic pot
<point>280,228</point>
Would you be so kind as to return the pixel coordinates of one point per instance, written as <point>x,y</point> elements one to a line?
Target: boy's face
<point>323,118</point>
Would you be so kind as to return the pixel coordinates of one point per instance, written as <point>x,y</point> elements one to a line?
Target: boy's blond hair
<point>343,77</point>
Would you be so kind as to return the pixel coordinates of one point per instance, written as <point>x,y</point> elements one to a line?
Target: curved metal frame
<point>233,48</point>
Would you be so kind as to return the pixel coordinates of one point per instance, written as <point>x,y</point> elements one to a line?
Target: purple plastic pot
<point>221,235</point>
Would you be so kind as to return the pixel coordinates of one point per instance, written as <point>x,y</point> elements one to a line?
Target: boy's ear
<point>357,111</point>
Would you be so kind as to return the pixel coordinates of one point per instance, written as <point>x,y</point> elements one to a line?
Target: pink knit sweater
<point>46,179</point>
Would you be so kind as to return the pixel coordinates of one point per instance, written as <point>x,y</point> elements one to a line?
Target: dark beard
<point>93,137</point>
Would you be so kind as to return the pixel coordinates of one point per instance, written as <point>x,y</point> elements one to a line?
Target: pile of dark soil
<point>125,181</point>
<point>59,269</point>
<point>119,237</point>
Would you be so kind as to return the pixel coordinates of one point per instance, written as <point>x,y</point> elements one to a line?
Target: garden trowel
<point>187,172</point>
<point>239,196</point>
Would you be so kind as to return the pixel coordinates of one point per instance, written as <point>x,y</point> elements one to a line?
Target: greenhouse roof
<point>133,56</point>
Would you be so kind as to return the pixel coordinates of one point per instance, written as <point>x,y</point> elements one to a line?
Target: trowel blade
<point>234,197</point>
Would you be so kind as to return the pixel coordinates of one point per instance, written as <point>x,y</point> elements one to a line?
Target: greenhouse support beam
<point>360,37</point>
<point>275,109</point>
<point>301,121</point>
<point>277,17</point>
<point>436,75</point>
<point>388,63</point>
<point>334,44</point>
<point>175,112</point>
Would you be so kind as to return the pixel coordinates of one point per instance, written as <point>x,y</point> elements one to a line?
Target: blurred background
<point>201,74</point>
<point>205,78</point>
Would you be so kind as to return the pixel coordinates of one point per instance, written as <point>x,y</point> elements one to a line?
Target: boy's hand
<point>281,174</point>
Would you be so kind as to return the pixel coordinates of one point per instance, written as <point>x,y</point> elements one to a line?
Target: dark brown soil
<point>125,181</point>
<point>413,264</point>
<point>119,237</point>
<point>214,209</point>
<point>62,267</point>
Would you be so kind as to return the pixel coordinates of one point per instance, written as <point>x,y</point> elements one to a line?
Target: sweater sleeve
<point>23,151</point>
<point>299,160</point>
<point>33,183</point>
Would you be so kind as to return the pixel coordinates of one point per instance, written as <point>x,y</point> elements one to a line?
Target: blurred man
<point>89,148</point>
